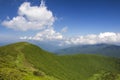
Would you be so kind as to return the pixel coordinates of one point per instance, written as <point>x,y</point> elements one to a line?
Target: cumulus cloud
<point>48,34</point>
<point>106,37</point>
<point>51,35</point>
<point>31,18</point>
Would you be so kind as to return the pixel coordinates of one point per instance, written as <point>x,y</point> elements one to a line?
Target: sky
<point>64,22</point>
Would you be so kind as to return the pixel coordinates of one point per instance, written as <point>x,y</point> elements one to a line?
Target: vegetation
<point>103,75</point>
<point>24,61</point>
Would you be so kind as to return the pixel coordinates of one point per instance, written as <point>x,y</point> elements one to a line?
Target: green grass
<point>24,59</point>
<point>14,65</point>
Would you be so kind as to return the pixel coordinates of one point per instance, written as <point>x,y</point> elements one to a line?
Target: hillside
<point>15,66</point>
<point>25,61</point>
<point>102,49</point>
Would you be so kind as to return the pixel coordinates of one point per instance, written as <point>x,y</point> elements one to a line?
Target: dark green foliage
<point>29,59</point>
<point>105,75</point>
<point>38,73</point>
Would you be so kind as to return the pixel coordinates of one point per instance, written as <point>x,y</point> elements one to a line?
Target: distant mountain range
<point>104,49</point>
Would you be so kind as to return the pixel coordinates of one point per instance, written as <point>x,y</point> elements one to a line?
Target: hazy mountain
<point>104,49</point>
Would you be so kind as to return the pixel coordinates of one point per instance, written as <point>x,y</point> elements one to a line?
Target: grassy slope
<point>70,67</point>
<point>14,65</point>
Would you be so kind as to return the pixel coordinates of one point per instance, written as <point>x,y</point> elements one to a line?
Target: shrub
<point>38,73</point>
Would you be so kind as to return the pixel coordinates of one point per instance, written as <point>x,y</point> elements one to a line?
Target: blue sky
<point>95,15</point>
<point>77,17</point>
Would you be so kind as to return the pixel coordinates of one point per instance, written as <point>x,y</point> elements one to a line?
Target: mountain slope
<point>14,65</point>
<point>104,49</point>
<point>33,63</point>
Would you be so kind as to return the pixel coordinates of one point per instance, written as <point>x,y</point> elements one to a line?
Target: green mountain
<point>25,61</point>
<point>102,49</point>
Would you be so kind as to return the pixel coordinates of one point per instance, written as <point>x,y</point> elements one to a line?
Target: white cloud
<point>51,35</point>
<point>64,29</point>
<point>106,37</point>
<point>46,35</point>
<point>109,37</point>
<point>31,18</point>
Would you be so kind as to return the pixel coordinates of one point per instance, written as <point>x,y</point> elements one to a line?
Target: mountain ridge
<point>28,61</point>
<point>102,49</point>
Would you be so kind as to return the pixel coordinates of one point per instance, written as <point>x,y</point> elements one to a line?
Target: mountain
<point>104,49</point>
<point>15,65</point>
<point>48,46</point>
<point>25,61</point>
